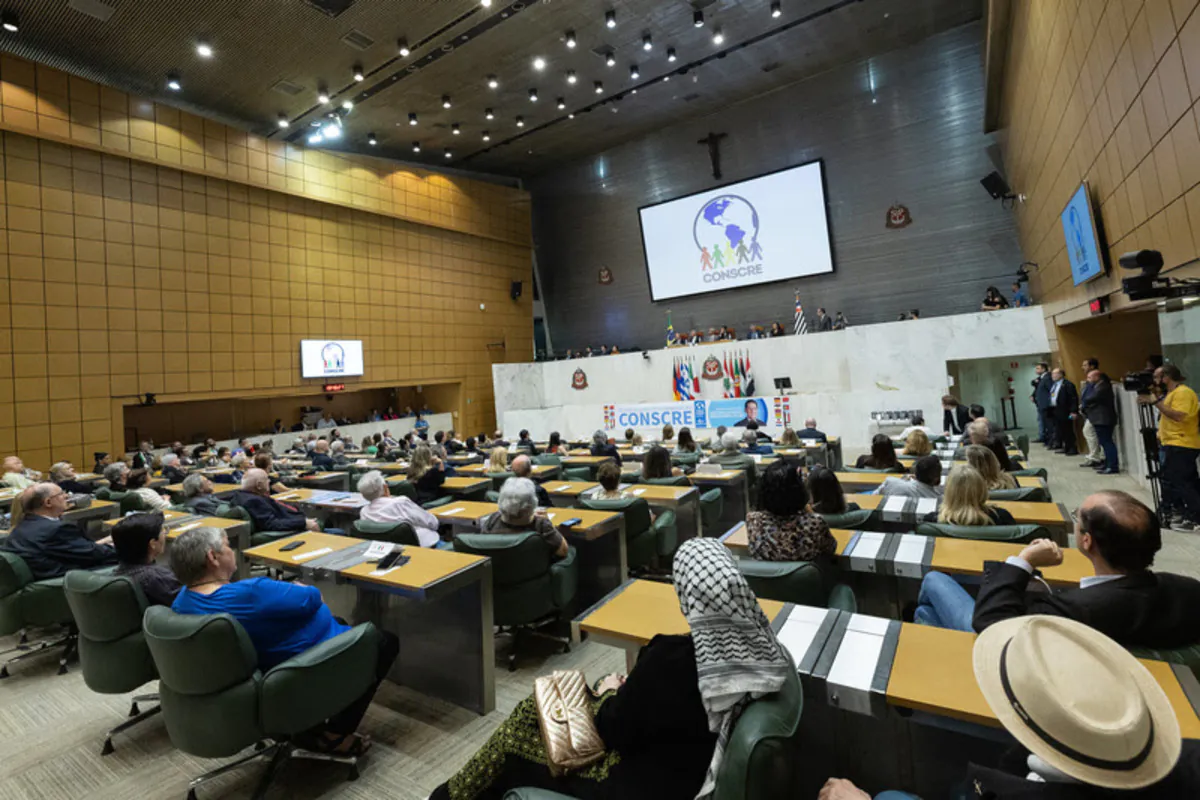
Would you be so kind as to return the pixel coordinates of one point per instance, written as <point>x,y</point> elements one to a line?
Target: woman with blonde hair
<point>668,434</point>
<point>985,461</point>
<point>498,460</point>
<point>965,500</point>
<point>426,472</point>
<point>789,438</point>
<point>917,444</point>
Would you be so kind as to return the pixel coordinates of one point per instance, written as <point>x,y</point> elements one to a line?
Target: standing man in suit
<point>48,544</point>
<point>824,323</point>
<point>1094,455</point>
<point>1041,401</point>
<point>1065,399</point>
<point>1099,408</point>
<point>955,416</point>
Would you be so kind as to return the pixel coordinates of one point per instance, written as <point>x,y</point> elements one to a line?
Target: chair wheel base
<point>3,673</point>
<point>133,709</point>
<point>108,748</point>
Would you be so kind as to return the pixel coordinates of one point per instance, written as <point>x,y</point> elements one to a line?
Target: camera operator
<point>1179,437</point>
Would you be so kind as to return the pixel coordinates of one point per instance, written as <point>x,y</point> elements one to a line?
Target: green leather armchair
<point>1017,534</point>
<point>498,479</point>
<point>873,470</point>
<point>673,480</point>
<point>530,590</point>
<point>551,459</point>
<point>398,533</point>
<point>403,489</point>
<point>801,582</point>
<point>129,501</point>
<point>26,603</point>
<point>578,473</point>
<point>1187,656</point>
<point>648,543</point>
<point>1035,472</point>
<point>108,612</point>
<point>1029,494</point>
<point>760,758</point>
<point>216,701</point>
<point>712,506</point>
<point>857,520</point>
<point>257,537</point>
<point>685,459</point>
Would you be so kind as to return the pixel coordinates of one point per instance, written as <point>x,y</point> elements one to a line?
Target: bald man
<point>809,431</point>
<point>522,467</point>
<point>1123,599</point>
<point>268,513</point>
<point>49,545</point>
<point>14,474</point>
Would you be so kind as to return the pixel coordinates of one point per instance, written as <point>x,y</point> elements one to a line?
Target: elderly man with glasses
<point>50,545</point>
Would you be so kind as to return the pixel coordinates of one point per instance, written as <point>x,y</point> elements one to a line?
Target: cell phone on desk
<point>570,523</point>
<point>292,546</point>
<point>391,559</point>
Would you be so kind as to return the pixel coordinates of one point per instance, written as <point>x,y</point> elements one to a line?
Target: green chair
<point>1023,444</point>
<point>868,469</point>
<point>1035,472</point>
<point>403,489</point>
<point>1187,656</point>
<point>577,473</point>
<point>257,537</point>
<point>648,544</point>
<point>113,655</point>
<point>685,459</point>
<point>26,604</point>
<point>858,520</point>
<point>801,582</point>
<point>761,758</point>
<point>129,501</point>
<point>216,701</point>
<point>674,480</point>
<point>491,497</point>
<point>1017,534</point>
<point>398,532</point>
<point>1029,494</point>
<point>529,589</point>
<point>712,506</point>
<point>498,479</point>
<point>550,459</point>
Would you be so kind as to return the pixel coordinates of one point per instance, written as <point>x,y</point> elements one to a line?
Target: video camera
<point>1141,382</point>
<point>1150,284</point>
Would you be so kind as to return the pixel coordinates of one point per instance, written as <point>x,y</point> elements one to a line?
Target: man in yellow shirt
<point>1179,436</point>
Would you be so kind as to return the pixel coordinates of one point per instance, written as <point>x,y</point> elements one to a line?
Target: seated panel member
<point>282,620</point>
<point>48,544</point>
<point>268,513</point>
<point>139,540</point>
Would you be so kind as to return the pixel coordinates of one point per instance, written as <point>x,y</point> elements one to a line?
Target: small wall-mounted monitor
<point>1084,248</point>
<point>329,358</point>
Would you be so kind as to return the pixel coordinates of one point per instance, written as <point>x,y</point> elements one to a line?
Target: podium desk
<point>439,604</point>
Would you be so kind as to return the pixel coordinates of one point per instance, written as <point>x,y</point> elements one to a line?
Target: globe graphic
<point>725,220</point>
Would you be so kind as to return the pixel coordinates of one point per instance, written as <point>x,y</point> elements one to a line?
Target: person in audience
<point>297,447</point>
<point>629,434</point>
<point>1000,451</point>
<point>525,443</point>
<point>993,300</point>
<point>917,444</point>
<point>139,540</point>
<point>102,460</point>
<point>789,438</point>
<point>977,413</point>
<point>244,446</point>
<point>337,453</point>
<point>1124,599</point>
<point>839,322</point>
<point>784,527</point>
<point>555,447</point>
<point>136,482</point>
<point>1020,298</point>
<point>609,476</point>
<point>115,475</point>
<point>453,445</point>
<point>497,440</point>
<point>810,431</point>
<point>661,725</point>
<point>198,495</point>
<point>601,447</point>
<point>238,465</point>
<point>184,459</point>
<point>268,513</point>
<point>1098,406</point>
<point>976,433</point>
<point>750,444</point>
<point>914,314</point>
<point>224,457</point>
<point>382,507</point>
<point>522,467</point>
<point>925,480</point>
<point>732,457</point>
<point>902,318</point>
<point>321,460</point>
<point>955,417</point>
<point>266,462</point>
<point>964,501</point>
<point>1040,397</point>
<point>777,330</point>
<point>391,413</point>
<point>1065,400</point>
<point>63,474</point>
<point>427,473</point>
<point>637,440</point>
<point>48,544</point>
<point>882,456</point>
<point>498,461</point>
<point>172,471</point>
<point>685,444</point>
<point>518,514</point>
<point>326,421</point>
<point>656,464</point>
<point>144,457</point>
<point>985,462</point>
<point>15,474</point>
<point>282,619</point>
<point>720,432</point>
<point>439,445</point>
<point>826,493</point>
<point>824,323</point>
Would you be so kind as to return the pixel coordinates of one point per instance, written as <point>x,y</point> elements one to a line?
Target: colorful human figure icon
<point>742,252</point>
<point>718,256</point>
<point>706,261</point>
<point>756,251</point>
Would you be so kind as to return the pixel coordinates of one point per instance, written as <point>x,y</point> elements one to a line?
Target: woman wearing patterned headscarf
<point>666,725</point>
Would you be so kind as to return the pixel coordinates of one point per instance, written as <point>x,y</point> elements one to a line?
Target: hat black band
<point>1083,758</point>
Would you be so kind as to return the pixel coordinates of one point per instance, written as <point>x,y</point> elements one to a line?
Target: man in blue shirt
<point>1020,298</point>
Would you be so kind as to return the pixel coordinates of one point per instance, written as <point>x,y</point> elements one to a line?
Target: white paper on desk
<point>378,573</point>
<point>636,492</point>
<point>313,554</point>
<point>361,462</point>
<point>377,550</point>
<point>562,488</point>
<point>189,526</point>
<point>454,510</point>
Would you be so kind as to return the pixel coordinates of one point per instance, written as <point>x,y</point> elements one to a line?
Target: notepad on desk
<point>313,554</point>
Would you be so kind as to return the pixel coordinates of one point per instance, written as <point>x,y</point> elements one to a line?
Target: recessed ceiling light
<point>204,49</point>
<point>633,91</point>
<point>371,140</point>
<point>485,3</point>
<point>487,137</point>
<point>359,75</point>
<point>10,22</point>
<point>533,95</point>
<point>445,101</point>
<point>448,153</point>
<point>633,72</point>
<point>402,46</point>
<point>698,19</point>
<point>718,36</point>
<point>488,114</point>
<point>173,82</point>
<point>571,116</point>
<point>562,103</point>
<point>412,118</point>
<point>315,138</point>
<point>610,19</point>
<point>599,87</point>
<point>520,122</point>
<point>776,9</point>
<point>647,42</point>
<point>348,105</point>
<point>571,41</point>
<point>539,63</point>
<point>322,95</point>
<point>611,59</point>
<point>455,129</point>
<point>416,147</point>
<point>671,54</point>
<point>493,82</point>
<point>282,120</point>
<point>571,77</point>
<point>331,131</point>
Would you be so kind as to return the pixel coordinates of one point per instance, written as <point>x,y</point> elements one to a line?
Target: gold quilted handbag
<point>565,718</point>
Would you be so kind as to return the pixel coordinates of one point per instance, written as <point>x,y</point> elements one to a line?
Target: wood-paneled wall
<point>1104,90</point>
<point>147,250</point>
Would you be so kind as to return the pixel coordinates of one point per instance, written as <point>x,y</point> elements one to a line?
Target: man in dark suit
<point>809,431</point>
<point>268,513</point>
<point>1041,401</point>
<point>955,416</point>
<point>751,446</point>
<point>601,447</point>
<point>1099,407</point>
<point>824,323</point>
<point>49,545</point>
<point>525,443</point>
<point>1065,399</point>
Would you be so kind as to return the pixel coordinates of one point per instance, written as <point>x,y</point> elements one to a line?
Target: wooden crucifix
<point>713,140</point>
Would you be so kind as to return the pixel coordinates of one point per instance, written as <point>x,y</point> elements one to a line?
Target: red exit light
<point>334,387</point>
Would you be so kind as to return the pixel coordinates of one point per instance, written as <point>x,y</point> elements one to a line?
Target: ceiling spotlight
<point>358,73</point>
<point>445,101</point>
<point>633,91</point>
<point>776,9</point>
<point>331,131</point>
<point>611,59</point>
<point>571,42</point>
<point>533,95</point>
<point>402,46</point>
<point>718,36</point>
<point>562,103</point>
<point>670,54</point>
<point>571,77</point>
<point>610,19</point>
<point>633,72</point>
<point>172,81</point>
<point>570,116</point>
<point>322,95</point>
<point>283,120</point>
<point>204,49</point>
<point>412,118</point>
<point>315,138</point>
<point>416,147</point>
<point>599,87</point>
<point>487,114</point>
<point>493,82</point>
<point>347,104</point>
<point>455,129</point>
<point>448,153</point>
<point>698,19</point>
<point>666,78</point>
<point>487,137</point>
<point>485,3</point>
<point>371,140</point>
<point>539,63</point>
<point>10,22</point>
<point>520,122</point>
<point>647,42</point>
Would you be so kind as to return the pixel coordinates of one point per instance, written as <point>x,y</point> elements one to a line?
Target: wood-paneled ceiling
<point>270,57</point>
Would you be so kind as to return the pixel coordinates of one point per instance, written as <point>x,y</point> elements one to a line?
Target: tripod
<point>1149,432</point>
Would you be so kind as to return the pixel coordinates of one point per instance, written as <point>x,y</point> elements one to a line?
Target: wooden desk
<point>564,493</point>
<point>466,485</point>
<point>439,604</point>
<point>88,519</point>
<point>585,461</point>
<point>683,500</point>
<point>336,481</point>
<point>7,495</point>
<point>1053,516</point>
<point>539,472</point>
<point>386,467</point>
<point>464,512</point>
<point>737,539</point>
<point>736,492</point>
<point>218,488</point>
<point>869,481</point>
